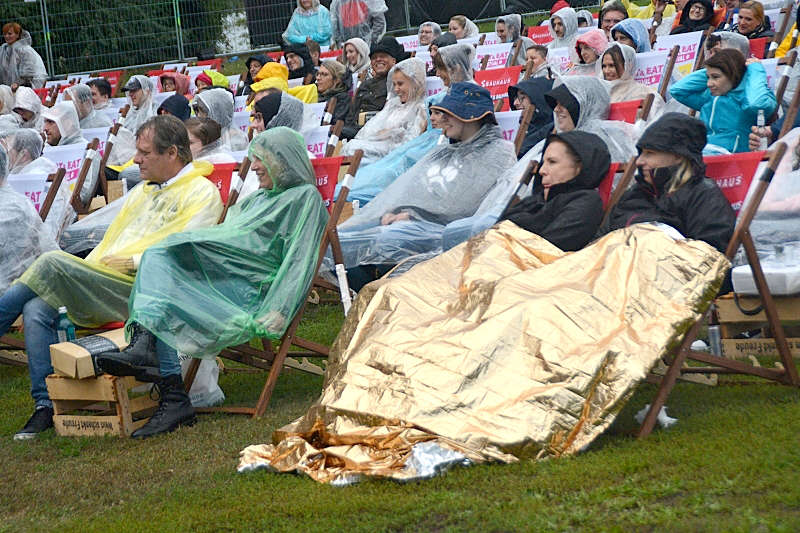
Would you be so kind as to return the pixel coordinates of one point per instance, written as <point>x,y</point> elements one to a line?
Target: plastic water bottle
<point>66,329</point>
<point>715,340</point>
<point>761,123</point>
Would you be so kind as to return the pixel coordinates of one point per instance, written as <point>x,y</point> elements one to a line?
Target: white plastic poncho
<point>124,147</point>
<point>513,24</point>
<point>22,236</point>
<point>397,122</point>
<point>6,100</point>
<point>363,56</point>
<point>626,88</point>
<point>28,100</point>
<point>20,63</point>
<point>471,30</point>
<point>349,19</point>
<point>594,101</point>
<point>218,105</point>
<point>24,148</point>
<point>81,96</point>
<point>447,184</point>
<point>290,114</point>
<point>570,20</point>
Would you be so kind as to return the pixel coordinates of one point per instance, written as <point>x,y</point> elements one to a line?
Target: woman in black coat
<point>565,207</point>
<point>671,185</point>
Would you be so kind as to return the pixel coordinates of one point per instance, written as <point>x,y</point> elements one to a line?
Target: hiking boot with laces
<point>138,359</point>
<point>40,420</point>
<point>174,410</point>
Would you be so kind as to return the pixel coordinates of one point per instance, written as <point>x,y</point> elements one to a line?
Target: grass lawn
<point>731,463</point>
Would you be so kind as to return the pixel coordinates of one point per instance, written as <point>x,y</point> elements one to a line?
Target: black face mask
<point>662,175</point>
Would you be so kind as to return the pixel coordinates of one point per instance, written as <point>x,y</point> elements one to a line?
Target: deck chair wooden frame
<point>791,113</point>
<point>333,138</point>
<point>780,34</point>
<point>701,56</point>
<point>268,358</point>
<point>524,122</point>
<point>741,236</point>
<point>786,63</point>
<point>673,57</point>
<point>515,52</point>
<point>101,172</point>
<point>484,62</point>
<point>330,107</point>
<point>91,154</point>
<point>628,170</point>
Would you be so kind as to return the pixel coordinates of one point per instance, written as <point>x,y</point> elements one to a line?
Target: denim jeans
<point>41,322</point>
<point>168,363</point>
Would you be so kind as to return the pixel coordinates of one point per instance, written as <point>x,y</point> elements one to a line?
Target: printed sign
<point>69,157</point>
<point>316,140</point>
<point>101,134</point>
<point>327,173</point>
<point>433,85</point>
<point>689,46</point>
<point>426,57</point>
<point>241,120</point>
<point>559,59</point>
<point>318,109</point>
<point>540,34</point>
<point>509,124</point>
<point>31,186</point>
<point>650,67</point>
<point>496,81</point>
<point>498,55</point>
<point>771,66</point>
<point>733,174</point>
<point>239,103</point>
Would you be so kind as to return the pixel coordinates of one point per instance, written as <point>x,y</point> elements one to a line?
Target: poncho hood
<point>219,103</point>
<point>283,152</point>
<point>635,31</point>
<point>66,118</point>
<point>570,19</point>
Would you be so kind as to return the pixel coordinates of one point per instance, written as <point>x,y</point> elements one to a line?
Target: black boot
<point>138,359</point>
<point>174,409</point>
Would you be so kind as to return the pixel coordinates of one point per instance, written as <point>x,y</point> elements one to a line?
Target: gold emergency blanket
<point>502,348</point>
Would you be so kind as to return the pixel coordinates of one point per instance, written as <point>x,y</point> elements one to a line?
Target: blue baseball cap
<point>466,101</point>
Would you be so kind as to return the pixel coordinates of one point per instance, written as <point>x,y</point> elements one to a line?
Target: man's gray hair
<point>168,131</point>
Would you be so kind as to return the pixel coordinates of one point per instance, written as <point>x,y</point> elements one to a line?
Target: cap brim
<point>445,110</point>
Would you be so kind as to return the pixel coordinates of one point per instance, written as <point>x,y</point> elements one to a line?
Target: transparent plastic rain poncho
<point>737,41</point>
<point>594,39</point>
<point>313,23</point>
<point>437,30</point>
<point>776,226</point>
<point>371,179</point>
<point>125,143</point>
<point>447,184</point>
<point>372,24</point>
<point>570,20</point>
<point>20,63</point>
<point>203,290</point>
<point>626,88</point>
<point>397,122</point>
<point>363,56</point>
<point>87,232</point>
<point>471,30</point>
<point>585,14</point>
<point>95,294</point>
<point>65,116</point>
<point>594,102</point>
<point>24,147</point>
<point>218,104</point>
<point>6,100</point>
<point>81,96</point>
<point>22,236</point>
<point>28,100</point>
<point>513,24</point>
<point>289,115</point>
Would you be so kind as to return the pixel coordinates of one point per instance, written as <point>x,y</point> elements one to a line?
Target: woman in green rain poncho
<point>203,290</point>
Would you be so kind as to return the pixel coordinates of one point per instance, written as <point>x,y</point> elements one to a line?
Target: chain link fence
<point>74,36</point>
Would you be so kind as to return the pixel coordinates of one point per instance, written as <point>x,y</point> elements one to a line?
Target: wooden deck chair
<point>333,139</point>
<point>780,34</point>
<point>482,39</point>
<point>101,172</point>
<point>498,104</point>
<point>523,128</point>
<point>91,155</point>
<point>515,52</point>
<point>54,95</point>
<point>758,47</point>
<point>625,111</point>
<point>241,175</point>
<point>791,113</point>
<point>664,86</point>
<point>524,181</point>
<point>484,62</point>
<point>268,357</point>
<point>784,69</point>
<point>741,236</point>
<point>215,63</point>
<point>55,180</point>
<point>701,56</point>
<point>113,77</point>
<point>43,94</point>
<point>611,197</point>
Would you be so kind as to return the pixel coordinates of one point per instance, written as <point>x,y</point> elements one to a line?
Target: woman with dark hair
<point>616,67</point>
<point>696,16</point>
<point>671,186</point>
<point>19,63</point>
<point>729,96</point>
<point>205,141</point>
<point>751,21</point>
<point>565,207</point>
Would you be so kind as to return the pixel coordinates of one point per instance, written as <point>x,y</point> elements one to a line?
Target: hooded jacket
<point>178,106</point>
<point>597,41</point>
<point>571,213</point>
<point>728,117</point>
<point>314,23</point>
<point>697,209</point>
<point>687,26</point>
<point>635,30</point>
<point>513,24</point>
<point>182,82</point>
<point>541,123</point>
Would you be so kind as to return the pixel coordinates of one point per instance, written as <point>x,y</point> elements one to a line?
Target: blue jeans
<point>168,363</point>
<point>41,322</point>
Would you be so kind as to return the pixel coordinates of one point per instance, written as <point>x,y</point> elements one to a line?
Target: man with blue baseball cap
<point>462,113</point>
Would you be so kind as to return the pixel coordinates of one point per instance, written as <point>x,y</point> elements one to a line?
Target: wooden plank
<point>141,403</point>
<point>13,357</point>
<point>123,409</point>
<point>86,426</point>
<point>742,348</point>
<point>100,388</point>
<point>788,309</point>
<point>62,407</point>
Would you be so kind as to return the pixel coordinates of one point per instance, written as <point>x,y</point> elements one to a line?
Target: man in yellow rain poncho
<point>175,196</point>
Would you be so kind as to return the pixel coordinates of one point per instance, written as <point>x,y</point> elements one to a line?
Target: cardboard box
<point>73,359</point>
<point>114,190</point>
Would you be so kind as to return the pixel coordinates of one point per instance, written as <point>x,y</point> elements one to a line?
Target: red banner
<point>113,77</point>
<point>624,111</point>
<point>540,34</point>
<point>330,53</point>
<point>605,186</point>
<point>497,81</point>
<point>221,178</point>
<point>733,174</point>
<point>326,169</point>
<point>758,47</point>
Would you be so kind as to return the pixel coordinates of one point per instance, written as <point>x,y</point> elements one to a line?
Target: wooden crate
<point>732,320</point>
<point>104,406</point>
